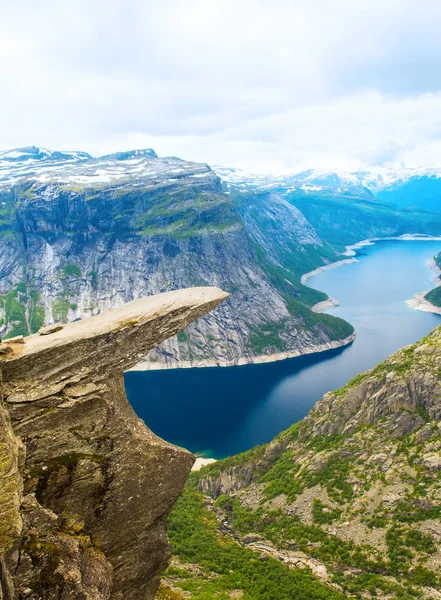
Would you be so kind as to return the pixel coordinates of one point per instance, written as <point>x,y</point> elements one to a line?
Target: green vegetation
<point>71,270</point>
<point>286,281</point>
<point>335,328</point>
<point>267,337</point>
<point>36,318</point>
<point>225,565</point>
<point>299,298</point>
<point>182,337</point>
<point>347,219</point>
<point>281,479</point>
<point>15,311</point>
<point>22,312</point>
<point>434,296</point>
<point>322,513</point>
<point>187,213</point>
<point>60,308</point>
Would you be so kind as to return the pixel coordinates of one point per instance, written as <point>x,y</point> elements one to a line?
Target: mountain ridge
<point>80,236</point>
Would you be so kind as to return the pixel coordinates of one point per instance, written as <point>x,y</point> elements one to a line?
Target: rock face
<point>355,485</point>
<point>85,487</point>
<point>80,235</point>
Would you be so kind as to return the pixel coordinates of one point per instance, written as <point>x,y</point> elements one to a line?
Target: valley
<point>347,499</point>
<point>313,501</point>
<point>219,411</point>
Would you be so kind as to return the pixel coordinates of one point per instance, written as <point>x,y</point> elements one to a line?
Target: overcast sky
<point>265,86</point>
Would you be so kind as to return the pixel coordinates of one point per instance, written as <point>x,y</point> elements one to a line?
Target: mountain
<point>310,180</point>
<point>79,235</point>
<point>348,499</point>
<point>417,188</point>
<point>32,160</point>
<point>343,220</point>
<point>419,191</point>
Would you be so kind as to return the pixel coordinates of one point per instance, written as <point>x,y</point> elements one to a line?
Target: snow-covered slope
<point>74,166</point>
<point>405,187</point>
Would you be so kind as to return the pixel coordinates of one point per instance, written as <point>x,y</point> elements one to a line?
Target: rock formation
<point>85,486</point>
<point>80,235</point>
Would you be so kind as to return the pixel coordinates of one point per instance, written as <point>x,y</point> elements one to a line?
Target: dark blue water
<point>220,411</point>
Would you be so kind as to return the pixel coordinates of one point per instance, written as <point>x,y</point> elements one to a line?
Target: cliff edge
<point>85,486</point>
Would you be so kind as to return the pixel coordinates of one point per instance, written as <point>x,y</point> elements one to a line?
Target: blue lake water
<point>221,411</point>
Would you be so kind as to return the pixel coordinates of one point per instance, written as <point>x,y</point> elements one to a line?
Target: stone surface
<point>96,484</point>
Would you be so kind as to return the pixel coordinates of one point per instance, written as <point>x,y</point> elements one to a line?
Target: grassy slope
<point>224,566</point>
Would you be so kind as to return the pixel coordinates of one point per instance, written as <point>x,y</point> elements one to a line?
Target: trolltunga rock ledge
<point>85,486</point>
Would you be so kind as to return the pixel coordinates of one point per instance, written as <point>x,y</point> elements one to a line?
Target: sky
<point>267,86</point>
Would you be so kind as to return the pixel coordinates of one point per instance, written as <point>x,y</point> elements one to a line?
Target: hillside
<point>352,492</point>
<point>79,235</point>
<point>412,188</point>
<point>344,220</point>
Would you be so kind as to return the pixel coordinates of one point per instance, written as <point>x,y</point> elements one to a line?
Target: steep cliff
<point>353,492</point>
<point>85,486</point>
<point>80,235</point>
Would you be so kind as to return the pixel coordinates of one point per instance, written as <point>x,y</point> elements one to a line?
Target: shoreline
<point>253,360</point>
<point>202,462</point>
<point>324,304</point>
<point>406,237</point>
<point>419,301</point>
<point>333,265</point>
<point>350,252</point>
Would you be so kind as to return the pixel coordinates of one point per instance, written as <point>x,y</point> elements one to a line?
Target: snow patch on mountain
<point>313,180</point>
<point>76,167</point>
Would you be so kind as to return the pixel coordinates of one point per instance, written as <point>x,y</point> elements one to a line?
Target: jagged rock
<point>432,461</point>
<point>98,484</point>
<point>48,329</point>
<point>18,339</point>
<point>251,538</point>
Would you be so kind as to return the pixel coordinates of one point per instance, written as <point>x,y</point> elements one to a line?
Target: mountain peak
<point>142,153</point>
<point>27,153</point>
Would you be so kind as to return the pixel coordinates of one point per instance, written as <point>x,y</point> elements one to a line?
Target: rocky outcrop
<point>85,486</point>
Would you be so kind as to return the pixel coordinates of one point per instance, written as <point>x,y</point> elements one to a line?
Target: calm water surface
<point>220,411</point>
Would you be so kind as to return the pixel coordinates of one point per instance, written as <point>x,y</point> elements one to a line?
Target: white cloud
<point>259,84</point>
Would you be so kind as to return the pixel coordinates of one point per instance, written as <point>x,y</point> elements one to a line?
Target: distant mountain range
<point>80,234</point>
<point>418,187</point>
